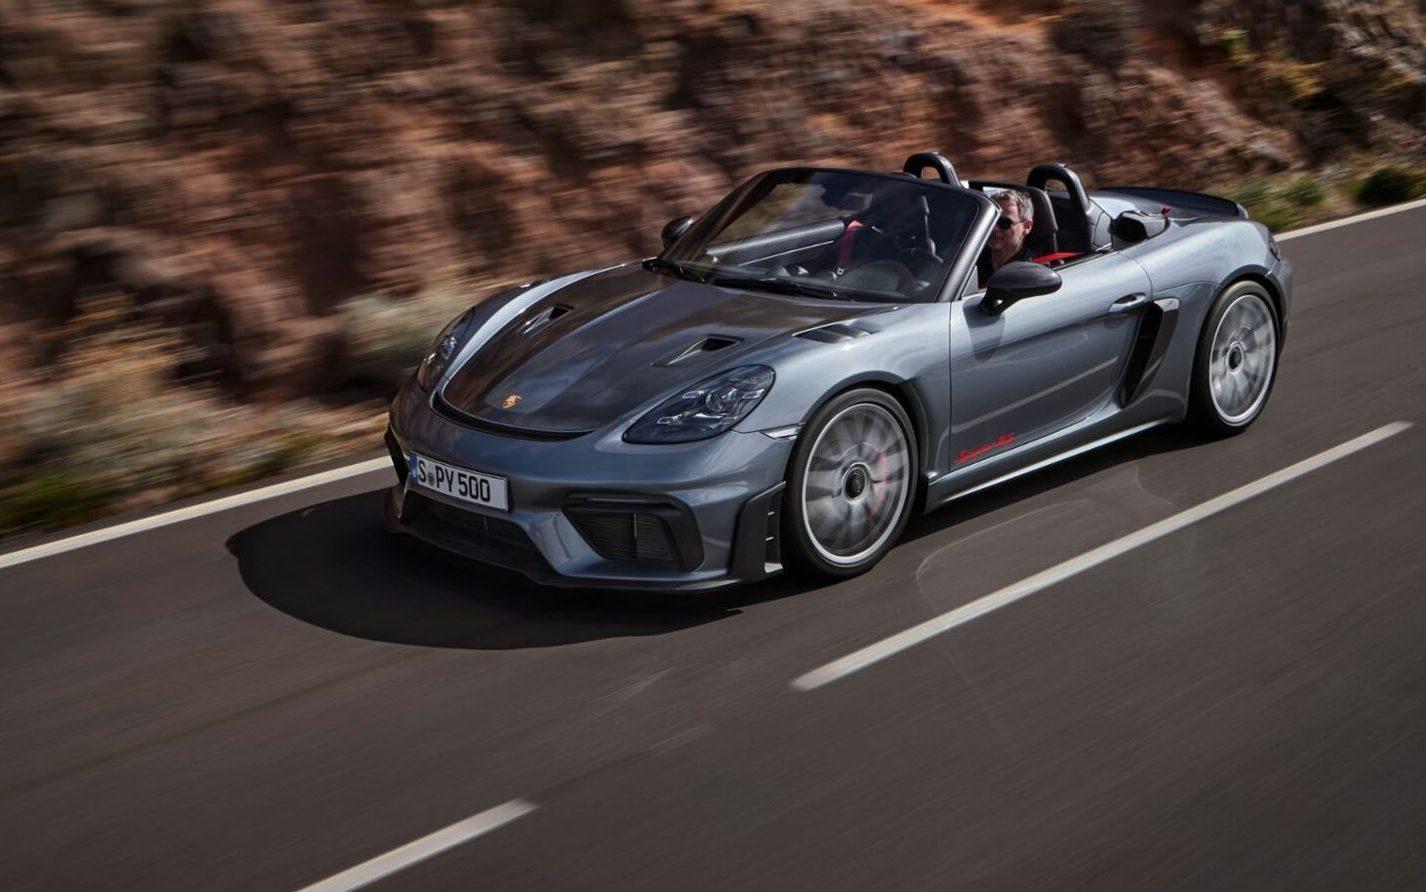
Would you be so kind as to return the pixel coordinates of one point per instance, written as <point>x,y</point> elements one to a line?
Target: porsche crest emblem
<point>511,401</point>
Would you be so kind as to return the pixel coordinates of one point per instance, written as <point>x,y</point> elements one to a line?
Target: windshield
<point>827,233</point>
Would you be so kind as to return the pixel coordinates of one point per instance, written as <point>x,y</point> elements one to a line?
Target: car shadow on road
<point>335,566</point>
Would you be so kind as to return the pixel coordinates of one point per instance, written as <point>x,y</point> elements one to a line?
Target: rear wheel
<point>1236,363</point>
<point>851,485</point>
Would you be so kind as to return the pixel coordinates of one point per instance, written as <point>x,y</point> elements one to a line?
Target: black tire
<point>1235,366</point>
<point>871,511</point>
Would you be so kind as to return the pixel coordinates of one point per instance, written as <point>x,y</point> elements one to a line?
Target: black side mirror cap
<point>1016,281</point>
<point>674,230</point>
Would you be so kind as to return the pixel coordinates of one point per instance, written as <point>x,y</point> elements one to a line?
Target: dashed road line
<point>427,846</point>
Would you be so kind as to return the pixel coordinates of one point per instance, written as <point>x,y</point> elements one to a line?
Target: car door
<point>1044,363</point>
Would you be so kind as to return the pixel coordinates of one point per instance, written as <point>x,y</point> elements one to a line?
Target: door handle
<point>1128,302</point>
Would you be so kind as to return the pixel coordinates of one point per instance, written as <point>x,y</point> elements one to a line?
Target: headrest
<point>1084,226</point>
<point>917,164</point>
<point>1043,235</point>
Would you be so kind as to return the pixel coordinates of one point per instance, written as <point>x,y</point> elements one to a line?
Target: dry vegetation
<point>110,430</point>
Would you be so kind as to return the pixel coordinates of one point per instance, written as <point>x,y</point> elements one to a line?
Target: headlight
<point>444,349</point>
<point>705,410</point>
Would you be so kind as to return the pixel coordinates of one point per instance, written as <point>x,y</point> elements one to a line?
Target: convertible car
<point>818,357</point>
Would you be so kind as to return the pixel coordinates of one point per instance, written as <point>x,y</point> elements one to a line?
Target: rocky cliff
<point>237,170</point>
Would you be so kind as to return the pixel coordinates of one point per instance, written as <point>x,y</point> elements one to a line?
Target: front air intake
<point>643,528</point>
<point>626,536</point>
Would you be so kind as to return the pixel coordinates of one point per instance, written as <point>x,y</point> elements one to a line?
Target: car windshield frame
<point>911,209</point>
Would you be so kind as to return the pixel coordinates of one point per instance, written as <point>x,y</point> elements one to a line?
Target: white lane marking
<point>428,846</point>
<point>1348,221</point>
<point>105,534</point>
<point>929,629</point>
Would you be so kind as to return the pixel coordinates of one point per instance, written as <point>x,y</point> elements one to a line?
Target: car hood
<point>594,351</point>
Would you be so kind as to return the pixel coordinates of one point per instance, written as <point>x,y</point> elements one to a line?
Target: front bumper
<point>708,510</point>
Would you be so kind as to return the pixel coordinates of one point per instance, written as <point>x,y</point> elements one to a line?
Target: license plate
<point>468,486</point>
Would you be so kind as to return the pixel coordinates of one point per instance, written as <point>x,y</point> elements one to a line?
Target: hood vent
<point>697,349</point>
<point>543,318</point>
<point>834,333</point>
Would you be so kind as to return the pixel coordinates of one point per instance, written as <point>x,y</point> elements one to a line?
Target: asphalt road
<point>268,696</point>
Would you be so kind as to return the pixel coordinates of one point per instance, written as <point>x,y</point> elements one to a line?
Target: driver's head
<point>1017,216</point>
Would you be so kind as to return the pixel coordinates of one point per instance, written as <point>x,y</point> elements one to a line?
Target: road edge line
<point>178,515</point>
<point>924,631</point>
<point>1348,221</point>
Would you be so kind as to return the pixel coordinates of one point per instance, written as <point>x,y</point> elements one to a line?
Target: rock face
<point>240,168</point>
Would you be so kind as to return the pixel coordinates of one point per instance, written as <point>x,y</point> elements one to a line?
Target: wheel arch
<point>1198,403</point>
<point>798,544</point>
<point>1274,295</point>
<point>1259,276</point>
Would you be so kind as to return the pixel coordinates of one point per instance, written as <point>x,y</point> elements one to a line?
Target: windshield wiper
<point>780,286</point>
<point>677,269</point>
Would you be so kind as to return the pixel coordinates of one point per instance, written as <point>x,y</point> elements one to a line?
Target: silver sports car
<point>819,356</point>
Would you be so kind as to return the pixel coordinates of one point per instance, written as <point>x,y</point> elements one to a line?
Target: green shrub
<point>1265,204</point>
<point>51,498</point>
<point>1304,192</point>
<point>1251,194</point>
<point>1389,185</point>
<point>1277,217</point>
<point>1234,43</point>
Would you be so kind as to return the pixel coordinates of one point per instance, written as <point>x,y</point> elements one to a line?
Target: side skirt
<point>955,485</point>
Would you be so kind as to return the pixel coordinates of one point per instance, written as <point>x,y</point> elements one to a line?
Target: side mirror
<point>674,230</point>
<point>1016,281</point>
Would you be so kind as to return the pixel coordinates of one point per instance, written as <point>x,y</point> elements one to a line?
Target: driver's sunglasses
<point>1006,223</point>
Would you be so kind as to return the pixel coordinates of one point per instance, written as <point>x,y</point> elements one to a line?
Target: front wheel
<point>1236,362</point>
<point>850,486</point>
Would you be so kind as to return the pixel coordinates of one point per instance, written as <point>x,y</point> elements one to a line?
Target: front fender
<point>909,355</point>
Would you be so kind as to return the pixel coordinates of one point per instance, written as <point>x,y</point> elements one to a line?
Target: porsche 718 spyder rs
<point>819,356</point>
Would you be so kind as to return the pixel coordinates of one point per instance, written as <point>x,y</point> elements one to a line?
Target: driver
<point>1007,239</point>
